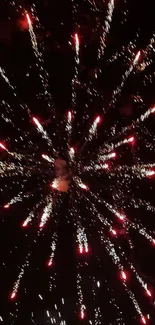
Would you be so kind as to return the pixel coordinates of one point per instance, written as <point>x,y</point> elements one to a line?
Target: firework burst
<point>82,171</point>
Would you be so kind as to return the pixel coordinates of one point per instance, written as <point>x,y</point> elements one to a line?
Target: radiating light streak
<point>119,215</point>
<point>14,154</point>
<point>40,296</point>
<point>141,281</point>
<point>53,248</point>
<point>20,276</point>
<point>77,47</point>
<point>69,125</point>
<point>106,28</point>
<point>124,78</point>
<point>93,128</point>
<point>141,230</point>
<point>75,77</point>
<point>142,118</point>
<point>42,131</point>
<point>116,260</point>
<point>28,220</point>
<point>2,72</point>
<point>105,157</point>
<point>96,167</point>
<point>140,170</point>
<point>112,146</point>
<point>30,217</point>
<point>42,72</point>
<point>18,198</point>
<point>80,296</point>
<point>147,173</point>
<point>46,213</point>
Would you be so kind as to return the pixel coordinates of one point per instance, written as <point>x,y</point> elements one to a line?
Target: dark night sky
<point>18,61</point>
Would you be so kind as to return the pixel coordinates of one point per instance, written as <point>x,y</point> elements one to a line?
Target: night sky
<point>85,89</point>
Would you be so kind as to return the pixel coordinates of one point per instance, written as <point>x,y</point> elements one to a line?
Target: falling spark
<point>93,128</point>
<point>77,48</point>
<point>96,167</point>
<point>105,157</point>
<point>20,276</point>
<point>142,118</point>
<point>53,248</point>
<point>42,131</point>
<point>46,213</point>
<point>40,62</point>
<point>18,198</point>
<point>140,280</point>
<point>2,72</point>
<point>75,78</point>
<point>124,78</point>
<point>110,147</point>
<point>106,28</point>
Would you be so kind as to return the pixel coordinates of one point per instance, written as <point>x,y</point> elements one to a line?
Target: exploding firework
<point>98,174</point>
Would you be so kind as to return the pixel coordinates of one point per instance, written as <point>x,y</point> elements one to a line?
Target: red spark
<point>2,146</point>
<point>98,119</point>
<point>83,186</point>
<point>54,185</point>
<point>49,263</point>
<point>137,57</point>
<point>82,314</point>
<point>113,155</point>
<point>143,320</point>
<point>81,250</point>
<point>28,19</point>
<point>123,275</point>
<point>25,224</point>
<point>153,109</point>
<point>131,139</point>
<point>72,151</point>
<point>6,206</point>
<point>35,120</point>
<point>13,295</point>
<point>114,232</point>
<point>148,293</point>
<point>76,38</point>
<point>151,173</point>
<point>105,166</point>
<point>69,115</point>
<point>153,241</point>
